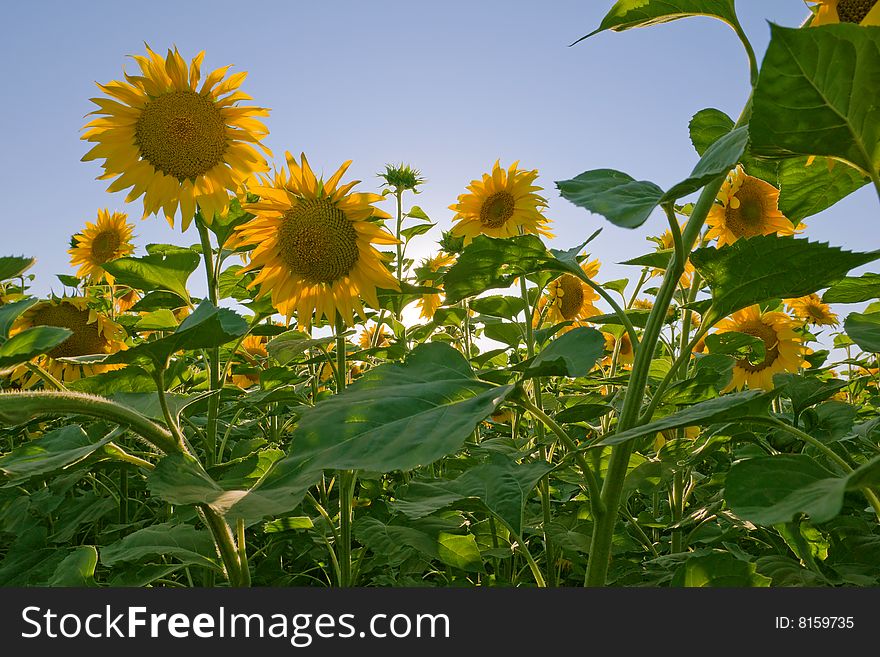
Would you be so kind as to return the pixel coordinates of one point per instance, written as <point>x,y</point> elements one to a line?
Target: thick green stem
<point>214,354</point>
<point>244,568</point>
<point>346,478</point>
<point>225,544</point>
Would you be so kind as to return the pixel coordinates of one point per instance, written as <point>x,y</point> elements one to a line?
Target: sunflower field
<point>334,412</point>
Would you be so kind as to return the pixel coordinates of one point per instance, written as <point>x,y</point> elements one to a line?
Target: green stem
<point>170,420</point>
<point>621,314</point>
<point>346,478</point>
<point>524,550</point>
<point>245,579</point>
<point>214,353</point>
<point>225,544</point>
<point>48,379</point>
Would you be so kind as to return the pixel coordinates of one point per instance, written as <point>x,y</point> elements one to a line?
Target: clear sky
<point>448,87</point>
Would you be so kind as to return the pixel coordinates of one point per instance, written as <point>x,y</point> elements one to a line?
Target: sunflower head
<point>429,303</point>
<point>783,350</point>
<point>374,335</point>
<point>314,245</point>
<point>625,353</point>
<point>666,242</point>
<point>747,207</point>
<point>569,299</point>
<point>859,12</point>
<point>92,333</point>
<point>812,310</point>
<point>99,243</point>
<point>402,177</point>
<point>252,348</point>
<point>503,204</point>
<point>177,144</point>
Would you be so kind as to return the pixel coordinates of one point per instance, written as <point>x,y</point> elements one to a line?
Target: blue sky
<point>448,87</point>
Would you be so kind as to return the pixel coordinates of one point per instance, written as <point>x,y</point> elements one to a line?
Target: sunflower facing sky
<point>173,143</point>
<point>314,245</point>
<point>812,310</point>
<point>861,12</point>
<point>748,207</point>
<point>569,299</point>
<point>503,204</point>
<point>783,351</point>
<point>428,303</point>
<point>93,334</point>
<point>108,239</point>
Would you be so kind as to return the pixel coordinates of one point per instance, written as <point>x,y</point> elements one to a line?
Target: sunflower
<point>314,245</point>
<point>569,299</point>
<point>783,351</point>
<point>860,12</point>
<point>664,242</point>
<point>107,240</point>
<point>749,207</point>
<point>173,143</point>
<point>626,355</point>
<point>502,204</point>
<point>93,334</point>
<point>126,300</point>
<point>811,309</point>
<point>374,334</point>
<point>430,302</point>
<point>252,348</point>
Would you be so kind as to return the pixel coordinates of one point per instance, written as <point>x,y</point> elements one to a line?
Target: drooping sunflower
<point>502,204</point>
<point>173,143</point>
<point>783,350</point>
<point>666,241</point>
<point>374,333</point>
<point>429,303</point>
<point>812,310</point>
<point>626,353</point>
<point>101,242</point>
<point>93,334</point>
<point>860,12</point>
<point>314,245</point>
<point>748,207</point>
<point>569,299</point>
<point>252,348</point>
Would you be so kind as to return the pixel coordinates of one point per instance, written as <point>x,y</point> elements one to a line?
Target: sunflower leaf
<point>9,313</point>
<point>572,354</point>
<point>727,408</point>
<point>490,262</point>
<point>627,14</point>
<point>854,289</point>
<point>184,542</point>
<point>158,271</point>
<point>50,452</point>
<point>753,270</point>
<point>14,266</point>
<point>617,196</point>
<point>804,391</point>
<point>807,190</point>
<point>718,159</point>
<point>864,329</point>
<point>709,125</point>
<point>31,342</point>
<point>817,95</point>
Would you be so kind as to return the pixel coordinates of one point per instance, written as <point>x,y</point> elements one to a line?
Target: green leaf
<point>767,266</point>
<point>9,313</point>
<point>618,197</point>
<point>14,266</point>
<point>131,379</point>
<point>413,231</point>
<point>490,262</point>
<point>718,159</point>
<point>727,408</point>
<point>69,281</point>
<point>572,354</point>
<point>415,212</point>
<point>721,570</point>
<point>158,320</point>
<point>156,301</point>
<point>289,346</point>
<point>180,479</point>
<point>49,453</point>
<point>498,306</point>
<point>816,95</point>
<point>638,317</point>
<point>854,289</point>
<point>31,342</point>
<point>627,14</point>
<point>775,489</point>
<point>807,190</point>
<point>658,259</point>
<point>223,227</point>
<point>233,285</point>
<point>582,413</point>
<point>501,485</point>
<point>158,271</point>
<point>398,417</point>
<point>708,126</point>
<point>394,543</point>
<point>77,568</point>
<point>460,551</point>
<point>864,330</point>
<point>804,391</point>
<point>164,540</point>
<point>740,345</point>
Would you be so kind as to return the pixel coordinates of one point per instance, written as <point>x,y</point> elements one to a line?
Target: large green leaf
<point>803,390</point>
<point>854,289</point>
<point>184,542</point>
<point>31,342</point>
<point>718,570</point>
<point>617,196</point>
<point>709,125</point>
<point>157,271</point>
<point>727,408</point>
<point>807,190</point>
<point>394,543</point>
<point>460,551</point>
<point>290,345</point>
<point>627,14</point>
<point>224,226</point>
<point>398,417</point>
<point>77,568</point>
<point>501,485</point>
<point>773,490</point>
<point>817,95</point>
<point>572,354</point>
<point>9,313</point>
<point>13,266</point>
<point>490,262</point>
<point>767,266</point>
<point>719,158</point>
<point>48,453</point>
<point>864,329</point>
